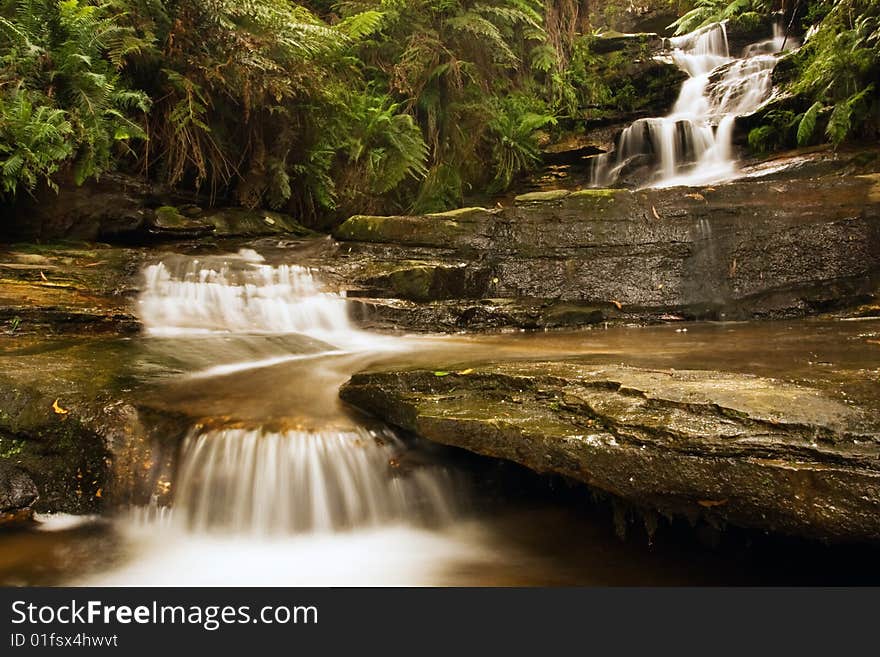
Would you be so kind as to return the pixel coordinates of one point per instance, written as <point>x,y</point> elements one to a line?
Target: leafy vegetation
<point>333,107</point>
<point>706,12</point>
<point>364,104</point>
<point>830,82</point>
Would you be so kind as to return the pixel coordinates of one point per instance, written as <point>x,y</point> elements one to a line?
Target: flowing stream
<point>693,144</point>
<point>278,483</point>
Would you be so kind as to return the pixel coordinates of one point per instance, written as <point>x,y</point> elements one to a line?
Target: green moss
<point>599,193</point>
<point>10,447</point>
<point>461,213</point>
<point>168,216</point>
<point>542,197</point>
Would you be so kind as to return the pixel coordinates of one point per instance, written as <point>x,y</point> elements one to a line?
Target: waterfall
<point>693,145</point>
<point>254,481</point>
<point>233,313</point>
<point>237,294</point>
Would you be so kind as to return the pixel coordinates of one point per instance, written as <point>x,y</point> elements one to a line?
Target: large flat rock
<point>733,447</point>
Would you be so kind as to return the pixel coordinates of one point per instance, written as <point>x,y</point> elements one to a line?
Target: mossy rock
<point>736,448</point>
<point>457,228</point>
<point>168,221</point>
<point>242,222</point>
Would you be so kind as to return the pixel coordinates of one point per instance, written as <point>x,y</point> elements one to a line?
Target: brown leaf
<point>710,503</point>
<point>696,196</point>
<point>58,409</point>
<point>617,304</point>
<point>43,276</point>
<point>732,271</point>
<point>656,214</point>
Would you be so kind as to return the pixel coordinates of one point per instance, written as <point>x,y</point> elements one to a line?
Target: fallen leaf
<point>43,276</point>
<point>656,214</point>
<point>95,264</point>
<point>58,409</point>
<point>617,304</point>
<point>442,373</point>
<point>873,341</point>
<point>98,493</point>
<point>732,271</point>
<point>710,503</point>
<point>696,196</point>
<point>467,371</point>
<point>708,189</point>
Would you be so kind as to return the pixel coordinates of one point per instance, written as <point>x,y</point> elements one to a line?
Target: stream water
<point>693,144</point>
<point>278,483</point>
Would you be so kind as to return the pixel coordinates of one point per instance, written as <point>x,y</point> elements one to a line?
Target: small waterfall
<point>693,145</point>
<point>238,294</point>
<point>253,481</point>
<point>232,481</point>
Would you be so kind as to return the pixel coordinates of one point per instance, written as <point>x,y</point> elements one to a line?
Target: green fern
<point>807,124</point>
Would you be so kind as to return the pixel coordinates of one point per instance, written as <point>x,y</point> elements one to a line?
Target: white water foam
<point>243,481</point>
<point>693,145</point>
<point>335,503</point>
<point>241,294</point>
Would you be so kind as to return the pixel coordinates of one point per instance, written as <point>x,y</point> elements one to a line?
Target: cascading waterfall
<point>238,294</point>
<point>266,482</point>
<point>263,481</point>
<point>693,145</point>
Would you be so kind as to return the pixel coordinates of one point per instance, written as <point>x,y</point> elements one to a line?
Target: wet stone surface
<point>739,447</point>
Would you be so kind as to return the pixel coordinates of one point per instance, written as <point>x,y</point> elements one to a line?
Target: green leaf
<point>839,123</point>
<point>442,373</point>
<point>807,125</point>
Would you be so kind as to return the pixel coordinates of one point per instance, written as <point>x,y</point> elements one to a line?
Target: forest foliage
<point>355,104</point>
<point>334,106</point>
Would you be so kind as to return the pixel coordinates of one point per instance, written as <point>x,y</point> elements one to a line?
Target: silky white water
<point>283,482</point>
<point>297,500</point>
<point>241,294</point>
<point>693,144</point>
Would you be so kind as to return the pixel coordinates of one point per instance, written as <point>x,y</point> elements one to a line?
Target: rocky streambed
<point>768,425</point>
<point>795,453</point>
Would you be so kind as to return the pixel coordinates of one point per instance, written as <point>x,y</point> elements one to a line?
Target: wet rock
<point>68,288</point>
<point>766,248</point>
<point>119,208</point>
<point>114,207</point>
<point>168,222</point>
<point>242,222</point>
<point>611,41</point>
<point>728,447</point>
<point>17,494</point>
<point>72,419</point>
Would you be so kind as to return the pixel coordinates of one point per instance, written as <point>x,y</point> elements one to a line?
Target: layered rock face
<point>749,249</point>
<point>729,447</point>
